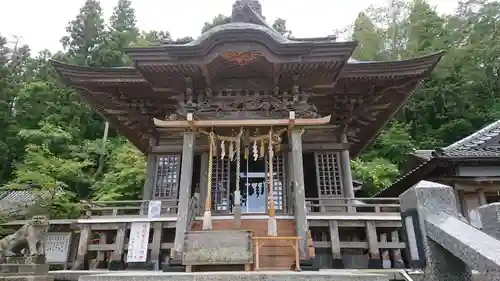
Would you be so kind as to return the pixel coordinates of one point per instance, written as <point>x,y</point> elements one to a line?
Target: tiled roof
<point>483,143</point>
<point>15,200</point>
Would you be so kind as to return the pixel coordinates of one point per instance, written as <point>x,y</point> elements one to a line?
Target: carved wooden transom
<point>244,104</point>
<point>242,58</point>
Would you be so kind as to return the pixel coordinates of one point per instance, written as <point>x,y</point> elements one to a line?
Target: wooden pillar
<point>148,189</point>
<point>289,182</point>
<point>117,259</point>
<point>184,192</point>
<point>156,245</point>
<point>78,263</point>
<point>299,192</point>
<point>337,261</point>
<point>373,246</point>
<point>203,181</point>
<point>345,169</point>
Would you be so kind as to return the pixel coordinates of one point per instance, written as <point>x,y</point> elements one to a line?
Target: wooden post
<point>148,189</point>
<point>184,192</point>
<point>482,198</point>
<point>79,262</point>
<point>156,247</point>
<point>337,261</point>
<point>203,182</point>
<point>345,169</point>
<point>396,253</point>
<point>373,250</point>
<point>117,259</point>
<point>289,182</point>
<point>299,192</point>
<point>386,259</point>
<point>101,255</point>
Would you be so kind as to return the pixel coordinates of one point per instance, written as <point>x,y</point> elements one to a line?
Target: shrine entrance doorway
<point>253,184</point>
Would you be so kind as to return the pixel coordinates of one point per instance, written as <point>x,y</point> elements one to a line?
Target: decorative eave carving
<point>358,110</point>
<point>244,104</point>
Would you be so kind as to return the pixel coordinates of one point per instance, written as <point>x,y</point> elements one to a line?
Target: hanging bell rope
<point>237,192</point>
<point>272,227</point>
<point>207,216</point>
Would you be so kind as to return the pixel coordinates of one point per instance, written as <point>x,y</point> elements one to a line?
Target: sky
<point>41,24</point>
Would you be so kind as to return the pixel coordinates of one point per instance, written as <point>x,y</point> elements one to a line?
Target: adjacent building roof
<point>13,201</point>
<point>479,146</point>
<point>247,54</point>
<point>483,143</point>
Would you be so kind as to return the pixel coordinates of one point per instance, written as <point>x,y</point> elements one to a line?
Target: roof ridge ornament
<point>243,10</point>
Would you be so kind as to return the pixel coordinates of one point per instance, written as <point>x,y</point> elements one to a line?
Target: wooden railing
<point>129,208</point>
<point>352,205</point>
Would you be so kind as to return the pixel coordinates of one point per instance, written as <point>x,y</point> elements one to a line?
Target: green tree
<point>370,42</point>
<point>122,33</point>
<point>125,176</point>
<point>86,32</point>
<point>376,174</point>
<point>220,19</point>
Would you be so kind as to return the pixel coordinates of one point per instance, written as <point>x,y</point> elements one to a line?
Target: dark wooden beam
<point>325,146</point>
<point>173,148</point>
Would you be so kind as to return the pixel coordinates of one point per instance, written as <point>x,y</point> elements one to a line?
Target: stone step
<point>27,278</point>
<point>236,276</point>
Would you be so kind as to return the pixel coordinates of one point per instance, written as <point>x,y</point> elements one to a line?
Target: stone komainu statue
<point>30,236</point>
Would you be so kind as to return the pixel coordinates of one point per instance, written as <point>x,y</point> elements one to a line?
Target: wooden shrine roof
<point>364,97</point>
<point>246,63</point>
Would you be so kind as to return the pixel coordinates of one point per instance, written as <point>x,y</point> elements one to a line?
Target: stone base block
<point>141,266</point>
<point>174,265</point>
<point>309,265</point>
<point>14,269</point>
<point>375,264</point>
<point>170,268</point>
<point>116,265</point>
<point>399,264</point>
<point>338,264</point>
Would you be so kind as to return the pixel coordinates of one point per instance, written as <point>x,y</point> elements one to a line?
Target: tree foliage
<point>52,140</point>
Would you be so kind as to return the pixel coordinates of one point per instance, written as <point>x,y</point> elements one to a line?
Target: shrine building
<point>247,130</point>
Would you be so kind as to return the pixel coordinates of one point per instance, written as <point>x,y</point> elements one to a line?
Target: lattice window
<point>328,174</point>
<point>167,176</point>
<point>279,181</point>
<point>220,184</point>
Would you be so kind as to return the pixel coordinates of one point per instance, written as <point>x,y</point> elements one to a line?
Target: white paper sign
<point>57,247</point>
<point>154,209</point>
<point>138,242</point>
